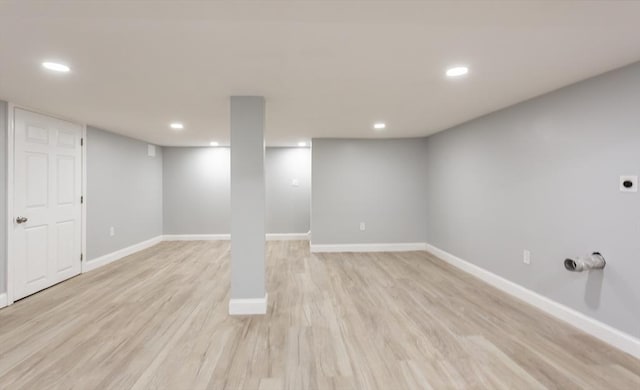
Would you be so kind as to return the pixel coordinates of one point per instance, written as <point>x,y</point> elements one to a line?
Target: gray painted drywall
<point>3,196</point>
<point>378,182</point>
<point>544,176</point>
<point>247,197</point>
<point>288,205</point>
<point>196,186</point>
<point>124,190</point>
<point>196,190</point>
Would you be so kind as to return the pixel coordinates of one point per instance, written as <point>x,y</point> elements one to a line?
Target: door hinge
<point>81,141</point>
<point>81,256</point>
<point>82,199</point>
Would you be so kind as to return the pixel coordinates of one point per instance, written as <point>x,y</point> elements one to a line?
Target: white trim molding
<point>83,204</point>
<point>287,236</point>
<point>101,261</point>
<point>394,247</point>
<point>197,237</point>
<point>227,237</point>
<point>4,301</point>
<point>595,328</point>
<point>248,306</point>
<point>10,218</point>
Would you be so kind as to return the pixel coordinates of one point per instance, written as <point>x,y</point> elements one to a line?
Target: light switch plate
<point>295,183</point>
<point>628,183</point>
<point>151,150</point>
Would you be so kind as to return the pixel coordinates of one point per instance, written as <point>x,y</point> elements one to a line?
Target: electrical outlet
<point>112,231</point>
<point>526,257</point>
<point>362,227</point>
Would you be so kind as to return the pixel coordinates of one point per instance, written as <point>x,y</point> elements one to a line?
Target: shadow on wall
<point>593,288</point>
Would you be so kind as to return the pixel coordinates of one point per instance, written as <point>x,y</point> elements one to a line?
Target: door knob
<point>22,219</point>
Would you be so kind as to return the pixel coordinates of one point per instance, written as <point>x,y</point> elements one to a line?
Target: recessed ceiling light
<point>177,126</point>
<point>56,67</point>
<point>457,71</point>
<point>379,126</point>
<point>302,144</point>
<point>214,143</point>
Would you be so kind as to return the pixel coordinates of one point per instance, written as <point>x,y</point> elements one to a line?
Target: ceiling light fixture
<point>214,143</point>
<point>56,67</point>
<point>379,126</point>
<point>177,126</point>
<point>457,71</point>
<point>302,144</point>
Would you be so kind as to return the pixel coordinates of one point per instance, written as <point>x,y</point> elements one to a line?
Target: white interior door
<point>47,237</point>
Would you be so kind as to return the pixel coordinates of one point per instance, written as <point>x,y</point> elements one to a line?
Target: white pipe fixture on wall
<point>593,261</point>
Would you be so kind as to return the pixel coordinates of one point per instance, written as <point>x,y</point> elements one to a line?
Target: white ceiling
<point>327,69</point>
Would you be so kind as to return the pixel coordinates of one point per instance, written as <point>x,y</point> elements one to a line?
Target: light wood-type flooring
<point>158,320</point>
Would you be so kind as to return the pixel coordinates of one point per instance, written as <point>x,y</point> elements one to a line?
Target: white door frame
<point>10,184</point>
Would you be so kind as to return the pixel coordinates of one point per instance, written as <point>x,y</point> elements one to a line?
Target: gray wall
<point>543,175</point>
<point>288,206</point>
<point>3,196</point>
<point>124,190</point>
<point>197,188</point>
<point>379,182</point>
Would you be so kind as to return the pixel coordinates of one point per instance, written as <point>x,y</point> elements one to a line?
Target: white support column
<point>248,293</point>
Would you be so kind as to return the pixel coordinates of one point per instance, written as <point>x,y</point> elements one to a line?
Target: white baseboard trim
<point>287,236</point>
<point>227,237</point>
<point>602,331</point>
<point>395,247</point>
<point>196,237</point>
<point>4,300</point>
<point>101,261</point>
<point>250,306</point>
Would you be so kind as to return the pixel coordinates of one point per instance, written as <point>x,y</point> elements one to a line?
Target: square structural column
<point>248,293</point>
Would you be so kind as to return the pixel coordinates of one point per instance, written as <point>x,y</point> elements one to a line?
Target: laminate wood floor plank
<point>158,320</point>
